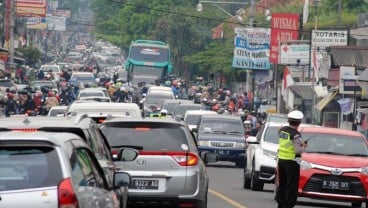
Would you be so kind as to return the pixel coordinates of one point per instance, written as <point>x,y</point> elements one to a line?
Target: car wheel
<point>203,203</point>
<point>240,163</point>
<point>356,204</point>
<point>246,180</point>
<point>255,184</point>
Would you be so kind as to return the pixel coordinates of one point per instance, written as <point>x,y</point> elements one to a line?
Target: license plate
<point>222,152</point>
<point>143,184</point>
<point>336,185</point>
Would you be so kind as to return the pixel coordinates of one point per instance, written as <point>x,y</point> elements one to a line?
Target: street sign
<point>294,53</point>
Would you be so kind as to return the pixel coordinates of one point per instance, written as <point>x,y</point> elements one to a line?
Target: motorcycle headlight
<point>240,145</point>
<point>364,170</point>
<point>304,165</point>
<point>204,143</point>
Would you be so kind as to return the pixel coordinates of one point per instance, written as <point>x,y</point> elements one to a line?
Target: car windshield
<point>156,98</point>
<point>28,167</point>
<point>192,119</point>
<point>147,137</point>
<point>91,94</point>
<point>170,107</point>
<point>6,83</point>
<point>271,134</point>
<point>221,126</point>
<point>335,144</point>
<point>50,68</point>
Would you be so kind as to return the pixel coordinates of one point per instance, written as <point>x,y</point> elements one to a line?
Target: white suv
<point>261,157</point>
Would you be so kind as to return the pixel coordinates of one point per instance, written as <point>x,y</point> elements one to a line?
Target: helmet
<point>247,122</point>
<point>295,115</point>
<point>168,83</point>
<point>50,94</point>
<point>163,111</point>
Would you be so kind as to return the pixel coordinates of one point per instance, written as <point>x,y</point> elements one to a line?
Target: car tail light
<point>186,205</point>
<point>25,130</point>
<point>182,158</point>
<point>114,153</point>
<point>66,195</point>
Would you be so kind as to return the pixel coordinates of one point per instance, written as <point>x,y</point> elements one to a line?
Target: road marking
<point>227,199</point>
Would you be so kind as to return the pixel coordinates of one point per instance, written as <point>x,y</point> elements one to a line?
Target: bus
<point>148,61</point>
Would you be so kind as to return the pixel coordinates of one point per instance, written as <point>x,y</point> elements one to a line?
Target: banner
<point>252,47</point>
<point>345,105</point>
<point>36,23</point>
<point>284,27</point>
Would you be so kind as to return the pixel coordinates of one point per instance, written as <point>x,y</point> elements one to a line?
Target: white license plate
<point>143,184</point>
<point>336,185</point>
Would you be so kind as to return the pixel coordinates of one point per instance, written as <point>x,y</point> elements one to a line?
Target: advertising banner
<point>33,3</point>
<point>36,23</point>
<point>294,53</point>
<point>56,23</point>
<point>348,80</point>
<point>62,13</point>
<point>284,27</point>
<point>26,11</point>
<point>252,47</point>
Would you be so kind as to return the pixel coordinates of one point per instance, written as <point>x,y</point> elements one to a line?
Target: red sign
<point>284,27</point>
<point>31,3</point>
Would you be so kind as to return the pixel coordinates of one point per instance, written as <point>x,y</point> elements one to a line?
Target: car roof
<point>330,130</point>
<point>200,112</point>
<point>143,120</point>
<point>55,138</point>
<point>221,116</point>
<point>102,106</point>
<point>36,122</point>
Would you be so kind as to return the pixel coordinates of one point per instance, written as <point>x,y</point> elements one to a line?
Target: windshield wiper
<point>234,132</point>
<point>325,152</point>
<point>129,146</point>
<point>359,155</point>
<point>219,132</point>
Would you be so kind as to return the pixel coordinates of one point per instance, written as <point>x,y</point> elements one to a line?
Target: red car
<point>334,165</point>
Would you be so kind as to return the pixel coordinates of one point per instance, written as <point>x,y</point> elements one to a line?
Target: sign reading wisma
<point>284,27</point>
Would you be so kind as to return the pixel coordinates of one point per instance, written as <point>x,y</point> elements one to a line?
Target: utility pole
<point>250,73</point>
<point>339,11</point>
<point>11,32</point>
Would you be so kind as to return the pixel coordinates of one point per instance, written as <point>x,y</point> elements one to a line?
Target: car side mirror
<point>127,154</point>
<point>252,140</point>
<point>209,157</point>
<point>122,179</point>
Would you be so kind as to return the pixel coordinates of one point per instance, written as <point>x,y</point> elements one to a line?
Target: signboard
<point>347,80</point>
<point>36,23</point>
<point>62,13</point>
<point>25,11</point>
<point>300,72</point>
<point>326,38</point>
<point>252,47</point>
<point>294,53</point>
<point>285,27</point>
<point>56,23</point>
<point>31,3</point>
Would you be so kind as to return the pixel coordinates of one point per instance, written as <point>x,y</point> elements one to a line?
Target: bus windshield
<point>149,54</point>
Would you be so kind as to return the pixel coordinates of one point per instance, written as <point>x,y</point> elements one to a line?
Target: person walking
<point>291,147</point>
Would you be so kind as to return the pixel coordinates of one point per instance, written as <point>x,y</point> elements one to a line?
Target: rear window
<point>147,137</point>
<point>192,119</point>
<point>271,134</point>
<point>28,167</point>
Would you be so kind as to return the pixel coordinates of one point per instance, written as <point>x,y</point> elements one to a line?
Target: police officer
<point>290,147</point>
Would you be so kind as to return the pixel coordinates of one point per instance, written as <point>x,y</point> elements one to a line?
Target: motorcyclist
<point>10,105</point>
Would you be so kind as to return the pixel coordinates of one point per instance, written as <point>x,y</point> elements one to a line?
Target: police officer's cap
<point>295,115</point>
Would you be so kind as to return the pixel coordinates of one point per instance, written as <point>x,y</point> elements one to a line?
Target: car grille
<point>222,144</point>
<point>314,184</point>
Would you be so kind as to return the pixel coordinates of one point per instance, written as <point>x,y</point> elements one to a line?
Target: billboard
<point>294,53</point>
<point>31,8</point>
<point>56,23</point>
<point>36,23</point>
<point>284,27</point>
<point>348,80</point>
<point>252,47</point>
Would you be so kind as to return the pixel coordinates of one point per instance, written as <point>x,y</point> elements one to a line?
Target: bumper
<point>162,201</point>
<point>226,154</point>
<point>310,185</point>
<point>267,174</point>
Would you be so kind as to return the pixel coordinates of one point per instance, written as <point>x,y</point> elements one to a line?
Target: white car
<point>261,156</point>
<point>192,117</point>
<point>54,69</point>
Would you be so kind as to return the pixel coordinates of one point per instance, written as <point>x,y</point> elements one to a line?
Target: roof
<point>200,112</point>
<point>81,121</point>
<point>143,120</point>
<point>329,130</point>
<point>349,56</point>
<point>221,116</point>
<point>102,106</point>
<point>56,138</point>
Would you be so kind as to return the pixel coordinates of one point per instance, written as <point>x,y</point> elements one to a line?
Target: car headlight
<point>240,145</point>
<point>304,165</point>
<point>364,170</point>
<point>270,153</point>
<point>204,143</point>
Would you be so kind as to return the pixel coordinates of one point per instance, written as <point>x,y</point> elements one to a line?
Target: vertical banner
<point>252,47</point>
<point>284,27</point>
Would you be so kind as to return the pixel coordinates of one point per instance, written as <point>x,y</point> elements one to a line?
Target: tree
<point>31,54</point>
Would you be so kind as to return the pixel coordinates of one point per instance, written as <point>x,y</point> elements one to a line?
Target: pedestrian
<point>291,147</point>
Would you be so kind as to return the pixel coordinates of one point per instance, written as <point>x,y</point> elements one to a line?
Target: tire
<point>246,180</point>
<point>255,183</point>
<point>356,204</point>
<point>203,203</point>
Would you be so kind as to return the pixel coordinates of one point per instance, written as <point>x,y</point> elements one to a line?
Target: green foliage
<point>31,54</point>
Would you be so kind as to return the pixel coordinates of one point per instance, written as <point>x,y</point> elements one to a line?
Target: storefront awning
<point>325,101</point>
<point>303,89</point>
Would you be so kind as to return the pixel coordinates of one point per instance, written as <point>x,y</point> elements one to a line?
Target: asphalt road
<point>226,191</point>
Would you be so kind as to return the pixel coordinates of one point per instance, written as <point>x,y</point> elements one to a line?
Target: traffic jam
<point>92,120</point>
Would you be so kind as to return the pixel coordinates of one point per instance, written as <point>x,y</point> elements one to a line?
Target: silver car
<point>42,169</point>
<point>169,171</point>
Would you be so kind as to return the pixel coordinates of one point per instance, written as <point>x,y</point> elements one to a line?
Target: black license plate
<point>335,185</point>
<point>143,184</point>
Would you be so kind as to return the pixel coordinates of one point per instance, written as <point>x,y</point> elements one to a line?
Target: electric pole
<point>11,32</point>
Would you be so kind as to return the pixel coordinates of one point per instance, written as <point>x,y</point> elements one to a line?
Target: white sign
<point>56,23</point>
<point>346,73</point>
<point>326,38</point>
<point>252,48</point>
<point>290,53</point>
